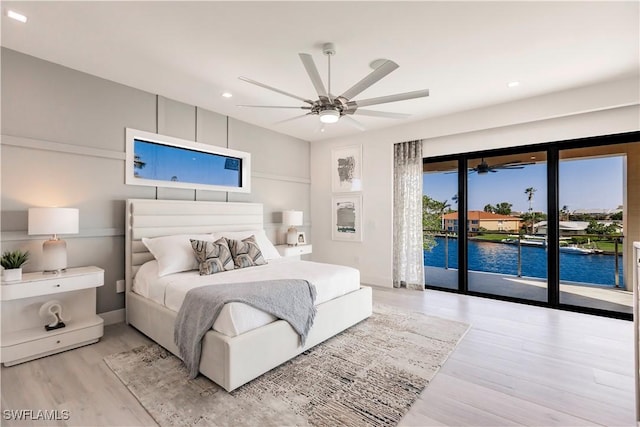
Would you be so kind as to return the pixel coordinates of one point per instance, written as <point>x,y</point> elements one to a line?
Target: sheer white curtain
<point>408,265</point>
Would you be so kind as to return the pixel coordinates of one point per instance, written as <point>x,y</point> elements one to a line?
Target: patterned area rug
<point>369,375</point>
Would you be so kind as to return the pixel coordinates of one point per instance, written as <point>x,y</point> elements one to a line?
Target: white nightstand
<point>23,335</point>
<point>294,251</point>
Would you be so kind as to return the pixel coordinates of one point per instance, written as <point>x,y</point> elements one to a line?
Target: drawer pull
<point>57,286</point>
<point>58,342</point>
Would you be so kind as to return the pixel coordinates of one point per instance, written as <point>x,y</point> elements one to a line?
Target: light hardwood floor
<point>517,365</point>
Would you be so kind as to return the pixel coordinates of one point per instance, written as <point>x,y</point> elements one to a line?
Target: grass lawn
<point>605,245</point>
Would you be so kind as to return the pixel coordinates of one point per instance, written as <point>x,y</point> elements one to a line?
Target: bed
<point>232,353</point>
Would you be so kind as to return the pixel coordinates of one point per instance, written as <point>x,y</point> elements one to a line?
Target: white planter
<point>12,275</point>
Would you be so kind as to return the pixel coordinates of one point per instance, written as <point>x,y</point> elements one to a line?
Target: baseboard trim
<point>383,282</point>
<point>113,317</point>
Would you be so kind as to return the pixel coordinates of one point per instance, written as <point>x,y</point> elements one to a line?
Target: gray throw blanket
<point>288,299</point>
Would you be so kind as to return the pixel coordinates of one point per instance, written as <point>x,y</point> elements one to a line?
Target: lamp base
<point>54,256</point>
<point>56,326</point>
<point>292,236</point>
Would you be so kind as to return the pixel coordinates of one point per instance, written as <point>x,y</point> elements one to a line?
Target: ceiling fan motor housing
<point>329,49</point>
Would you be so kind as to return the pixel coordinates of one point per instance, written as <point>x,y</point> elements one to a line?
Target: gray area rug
<point>369,375</point>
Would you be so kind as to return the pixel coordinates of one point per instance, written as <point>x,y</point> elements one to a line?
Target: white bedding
<point>330,281</point>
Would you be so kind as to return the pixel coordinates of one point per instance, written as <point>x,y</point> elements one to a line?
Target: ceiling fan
<point>483,167</point>
<point>331,108</point>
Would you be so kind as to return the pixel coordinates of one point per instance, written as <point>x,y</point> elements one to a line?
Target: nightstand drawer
<point>299,250</point>
<point>58,342</point>
<point>294,251</point>
<point>52,284</point>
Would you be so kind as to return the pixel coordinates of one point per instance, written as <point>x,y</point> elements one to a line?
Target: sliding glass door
<point>506,245</point>
<point>549,224</point>
<point>439,206</point>
<point>592,207</point>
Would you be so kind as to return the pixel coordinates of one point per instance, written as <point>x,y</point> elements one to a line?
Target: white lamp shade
<point>292,218</point>
<point>53,221</point>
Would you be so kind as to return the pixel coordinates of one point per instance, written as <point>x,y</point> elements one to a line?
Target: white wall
<point>63,144</point>
<point>601,109</point>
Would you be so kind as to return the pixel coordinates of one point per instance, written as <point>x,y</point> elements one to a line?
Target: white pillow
<point>174,253</point>
<point>266,247</point>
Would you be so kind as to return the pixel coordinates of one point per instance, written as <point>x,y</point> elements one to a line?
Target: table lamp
<point>53,221</point>
<point>291,219</point>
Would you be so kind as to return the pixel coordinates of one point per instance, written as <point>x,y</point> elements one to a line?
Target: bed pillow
<point>266,247</point>
<point>213,257</point>
<point>246,252</point>
<point>174,253</point>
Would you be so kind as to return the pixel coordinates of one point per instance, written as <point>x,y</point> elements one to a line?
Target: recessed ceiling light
<point>227,95</point>
<point>17,16</point>
<point>513,84</point>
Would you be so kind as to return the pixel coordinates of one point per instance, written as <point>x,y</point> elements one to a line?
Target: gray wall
<point>63,144</point>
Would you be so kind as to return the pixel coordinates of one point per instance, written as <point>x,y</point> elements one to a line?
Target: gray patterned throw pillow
<point>213,257</point>
<point>246,252</point>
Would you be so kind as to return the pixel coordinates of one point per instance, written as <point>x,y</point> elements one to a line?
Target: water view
<point>505,201</point>
<point>594,269</point>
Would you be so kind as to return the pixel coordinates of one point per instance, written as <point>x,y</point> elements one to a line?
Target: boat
<point>541,242</point>
<point>574,249</point>
<point>526,240</point>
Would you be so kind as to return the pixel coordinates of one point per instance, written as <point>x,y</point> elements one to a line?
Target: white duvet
<point>330,281</point>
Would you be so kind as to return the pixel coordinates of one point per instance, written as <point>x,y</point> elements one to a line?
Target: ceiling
<point>464,52</point>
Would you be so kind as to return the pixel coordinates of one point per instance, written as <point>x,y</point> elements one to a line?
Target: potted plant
<point>12,262</point>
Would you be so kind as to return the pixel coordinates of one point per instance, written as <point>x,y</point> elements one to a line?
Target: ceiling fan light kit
<point>330,108</point>
<point>329,116</point>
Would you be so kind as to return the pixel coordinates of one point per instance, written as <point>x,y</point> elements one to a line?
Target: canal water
<point>502,258</point>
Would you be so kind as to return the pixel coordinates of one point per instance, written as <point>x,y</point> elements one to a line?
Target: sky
<point>584,184</point>
<point>164,162</point>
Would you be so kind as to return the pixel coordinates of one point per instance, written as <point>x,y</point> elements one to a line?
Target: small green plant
<point>14,259</point>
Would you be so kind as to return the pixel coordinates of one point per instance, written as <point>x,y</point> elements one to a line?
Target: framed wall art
<point>346,218</point>
<point>346,169</point>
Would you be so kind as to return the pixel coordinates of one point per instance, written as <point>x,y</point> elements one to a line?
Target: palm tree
<point>503,208</point>
<point>454,199</point>
<point>137,164</point>
<point>530,192</point>
<point>489,208</point>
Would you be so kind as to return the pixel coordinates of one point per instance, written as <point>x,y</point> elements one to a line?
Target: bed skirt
<point>233,361</point>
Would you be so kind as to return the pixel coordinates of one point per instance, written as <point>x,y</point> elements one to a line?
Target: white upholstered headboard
<point>153,218</point>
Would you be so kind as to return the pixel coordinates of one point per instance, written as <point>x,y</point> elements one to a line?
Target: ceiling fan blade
<point>389,98</point>
<point>245,79</point>
<point>353,122</point>
<point>370,79</point>
<point>514,163</point>
<point>273,106</point>
<point>314,75</point>
<point>385,114</point>
<point>292,118</point>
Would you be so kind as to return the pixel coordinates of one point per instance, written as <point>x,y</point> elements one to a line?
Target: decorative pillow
<point>246,252</point>
<point>213,257</point>
<point>174,253</point>
<point>266,247</point>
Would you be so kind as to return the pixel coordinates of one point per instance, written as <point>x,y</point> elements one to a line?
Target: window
<point>163,161</point>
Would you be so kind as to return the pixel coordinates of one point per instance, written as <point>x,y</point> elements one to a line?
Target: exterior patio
<point>571,293</point>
